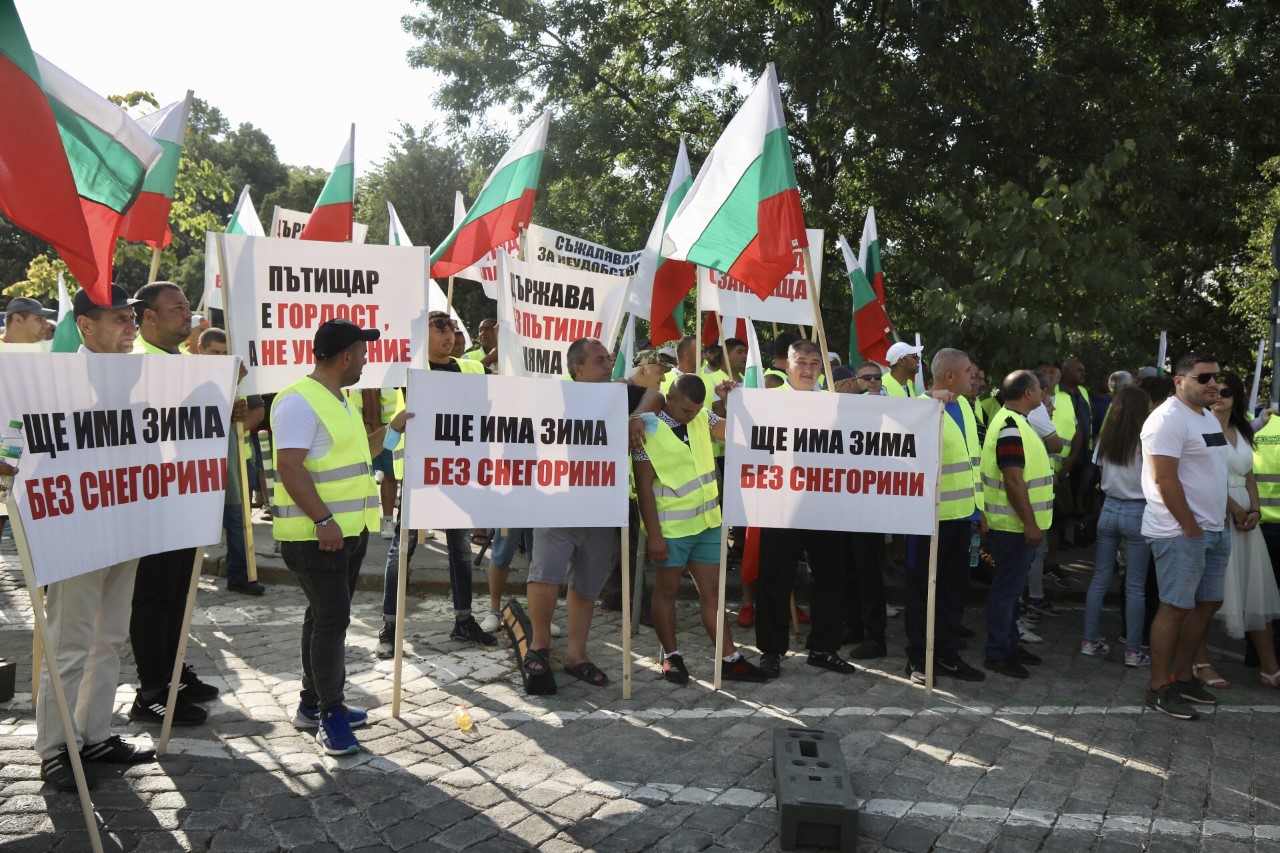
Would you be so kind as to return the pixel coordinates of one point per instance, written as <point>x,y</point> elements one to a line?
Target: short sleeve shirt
<point>1195,439</point>
<point>681,431</point>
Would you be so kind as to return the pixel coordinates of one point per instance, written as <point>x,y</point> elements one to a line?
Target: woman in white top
<point>1250,599</point>
<point>1119,456</point>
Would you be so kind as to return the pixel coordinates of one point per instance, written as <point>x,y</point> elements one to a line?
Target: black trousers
<point>952,588</point>
<point>780,551</point>
<point>864,614</point>
<point>159,602</point>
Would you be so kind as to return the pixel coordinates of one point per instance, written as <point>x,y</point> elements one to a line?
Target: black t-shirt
<point>451,367</point>
<point>635,394</point>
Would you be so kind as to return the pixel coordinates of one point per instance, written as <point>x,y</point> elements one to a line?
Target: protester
<point>502,551</point>
<point>1184,478</point>
<point>1119,457</point>
<point>843,381</point>
<point>904,362</point>
<point>190,346</point>
<point>776,374</point>
<point>870,379</point>
<point>1266,472</point>
<point>735,358</point>
<point>650,370</point>
<point>679,502</point>
<point>88,615</point>
<point>780,552</point>
<point>160,592</point>
<point>325,504</point>
<point>24,321</point>
<point>1037,604</point>
<point>486,349</point>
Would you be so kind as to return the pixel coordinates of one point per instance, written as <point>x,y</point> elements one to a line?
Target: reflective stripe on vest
<point>341,476</point>
<point>1266,469</point>
<point>1037,473</point>
<point>685,488</point>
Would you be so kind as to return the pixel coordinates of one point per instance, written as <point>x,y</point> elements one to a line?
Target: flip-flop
<point>540,658</point>
<point>588,672</point>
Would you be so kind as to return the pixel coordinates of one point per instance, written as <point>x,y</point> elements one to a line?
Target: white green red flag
<point>504,206</point>
<point>148,219</point>
<point>870,332</point>
<point>661,284</point>
<point>66,335</point>
<point>742,216</point>
<point>395,229</point>
<point>334,214</point>
<point>245,218</point>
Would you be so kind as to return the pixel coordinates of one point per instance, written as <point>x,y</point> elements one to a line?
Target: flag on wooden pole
<point>870,332</point>
<point>503,208</point>
<point>148,219</point>
<point>661,284</point>
<point>742,216</point>
<point>66,335</point>
<point>395,228</point>
<point>334,214</point>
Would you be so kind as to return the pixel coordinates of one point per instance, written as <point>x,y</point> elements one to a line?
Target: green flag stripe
<point>13,41</point>
<point>734,225</point>
<point>676,198</point>
<point>506,186</point>
<point>164,174</point>
<point>105,171</point>
<point>339,188</point>
<point>863,292</point>
<point>778,173</point>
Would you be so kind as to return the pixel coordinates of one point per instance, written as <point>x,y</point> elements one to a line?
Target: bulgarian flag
<point>335,211</point>
<point>245,218</point>
<point>661,284</point>
<point>870,332</point>
<point>503,208</point>
<point>66,335</point>
<point>742,216</point>
<point>148,219</point>
<point>70,162</point>
<point>626,355</point>
<point>395,229</point>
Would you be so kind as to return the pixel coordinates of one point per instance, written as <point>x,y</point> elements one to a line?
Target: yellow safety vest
<point>392,402</point>
<point>1266,469</point>
<point>474,354</point>
<point>685,488</point>
<point>773,371</point>
<point>893,389</point>
<point>989,406</point>
<point>343,477</point>
<point>707,381</point>
<point>466,365</point>
<point>960,486</point>
<point>1064,421</point>
<point>1037,473</point>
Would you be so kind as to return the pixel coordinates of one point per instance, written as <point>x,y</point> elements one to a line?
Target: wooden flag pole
<point>720,610</point>
<point>154,273</point>
<point>814,299</point>
<point>175,680</point>
<point>625,556</point>
<point>55,677</point>
<point>932,609</point>
<point>448,303</point>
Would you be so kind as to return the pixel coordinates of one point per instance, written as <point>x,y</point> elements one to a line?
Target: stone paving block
<point>534,830</point>
<point>466,834</point>
<point>914,834</point>
<point>239,841</point>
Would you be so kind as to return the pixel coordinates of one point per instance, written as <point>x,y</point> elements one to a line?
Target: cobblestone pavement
<point>1066,761</point>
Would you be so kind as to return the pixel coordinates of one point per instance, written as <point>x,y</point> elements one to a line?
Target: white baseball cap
<point>900,349</point>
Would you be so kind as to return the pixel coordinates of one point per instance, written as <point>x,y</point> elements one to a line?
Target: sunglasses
<point>1225,393</point>
<point>870,377</point>
<point>443,325</point>
<point>1203,378</point>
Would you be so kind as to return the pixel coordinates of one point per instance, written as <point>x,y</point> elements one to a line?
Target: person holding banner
<point>780,551</point>
<point>325,504</point>
<point>160,593</point>
<point>959,509</point>
<point>89,614</point>
<point>904,361</point>
<point>680,504</point>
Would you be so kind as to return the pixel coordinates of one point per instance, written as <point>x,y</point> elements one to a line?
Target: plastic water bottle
<point>462,716</point>
<point>975,545</point>
<point>11,443</point>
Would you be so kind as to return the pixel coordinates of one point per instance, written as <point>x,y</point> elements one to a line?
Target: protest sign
<point>485,270</point>
<point>556,247</point>
<point>126,455</point>
<point>831,461</point>
<point>280,291</point>
<point>790,301</point>
<point>288,224</point>
<point>543,308</point>
<point>502,451</point>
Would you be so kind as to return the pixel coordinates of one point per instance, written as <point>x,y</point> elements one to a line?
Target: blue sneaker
<point>308,716</point>
<point>335,735</point>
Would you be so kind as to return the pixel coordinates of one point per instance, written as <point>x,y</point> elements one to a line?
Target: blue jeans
<point>328,579</point>
<point>1119,521</point>
<point>1013,563</point>
<point>459,546</point>
<point>233,524</point>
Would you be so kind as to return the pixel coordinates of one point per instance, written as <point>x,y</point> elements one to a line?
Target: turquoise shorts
<point>701,547</point>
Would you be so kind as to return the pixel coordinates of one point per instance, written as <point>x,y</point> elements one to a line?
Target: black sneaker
<point>915,672</point>
<point>246,587</point>
<point>386,642</point>
<point>116,750</point>
<point>58,773</point>
<point>1167,700</point>
<point>191,687</point>
<point>1011,668</point>
<point>150,709</point>
<point>1061,581</point>
<point>1021,655</point>
<point>469,631</point>
<point>831,661</point>
<point>1193,691</point>
<point>959,670</point>
<point>770,665</point>
<point>674,670</point>
<point>742,670</point>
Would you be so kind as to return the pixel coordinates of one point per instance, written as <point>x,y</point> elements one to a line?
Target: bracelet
<point>322,522</point>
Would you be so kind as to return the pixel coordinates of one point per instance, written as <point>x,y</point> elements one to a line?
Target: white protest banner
<point>126,455</point>
<point>831,461</point>
<point>556,247</point>
<point>542,308</point>
<point>789,302</point>
<point>280,291</point>
<point>501,451</point>
<point>485,270</point>
<point>288,224</point>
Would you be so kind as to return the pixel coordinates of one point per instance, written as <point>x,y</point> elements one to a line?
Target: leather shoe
<point>1008,667</point>
<point>1023,656</point>
<point>771,665</point>
<point>831,661</point>
<point>246,587</point>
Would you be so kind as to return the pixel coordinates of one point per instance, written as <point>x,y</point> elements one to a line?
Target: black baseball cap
<point>25,305</point>
<point>82,304</point>
<point>334,336</point>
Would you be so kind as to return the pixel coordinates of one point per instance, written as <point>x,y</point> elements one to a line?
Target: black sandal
<point>536,662</point>
<point>588,672</point>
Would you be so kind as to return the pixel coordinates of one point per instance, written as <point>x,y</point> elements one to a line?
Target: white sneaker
<point>555,630</point>
<point>891,611</point>
<point>388,527</point>
<point>1095,648</point>
<point>491,622</point>
<point>1027,635</point>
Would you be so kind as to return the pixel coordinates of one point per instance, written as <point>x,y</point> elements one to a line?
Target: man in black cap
<point>89,614</point>
<point>325,502</point>
<point>24,321</point>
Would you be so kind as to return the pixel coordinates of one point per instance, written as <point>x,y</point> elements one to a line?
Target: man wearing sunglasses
<point>869,379</point>
<point>1184,479</point>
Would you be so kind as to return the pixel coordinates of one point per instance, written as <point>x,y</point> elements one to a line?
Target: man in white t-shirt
<point>1184,479</point>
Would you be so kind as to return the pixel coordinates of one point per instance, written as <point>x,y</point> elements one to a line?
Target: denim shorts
<point>701,547</point>
<point>503,549</point>
<point>1191,570</point>
<point>384,463</point>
